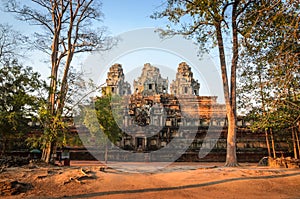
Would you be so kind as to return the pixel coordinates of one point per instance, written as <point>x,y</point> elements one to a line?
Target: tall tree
<point>67,31</point>
<point>209,23</point>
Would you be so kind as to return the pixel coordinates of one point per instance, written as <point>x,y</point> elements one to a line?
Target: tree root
<point>42,177</point>
<point>232,164</point>
<point>78,179</point>
<point>73,179</point>
<point>2,169</point>
<point>83,172</point>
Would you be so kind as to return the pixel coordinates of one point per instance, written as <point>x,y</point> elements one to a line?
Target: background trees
<point>269,81</point>
<point>20,98</point>
<point>66,32</point>
<point>11,43</point>
<point>21,89</point>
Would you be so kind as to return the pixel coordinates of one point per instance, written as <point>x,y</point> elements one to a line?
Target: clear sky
<point>125,15</point>
<point>121,17</point>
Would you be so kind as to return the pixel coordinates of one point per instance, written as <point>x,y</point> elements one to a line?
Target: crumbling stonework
<point>184,84</point>
<point>150,82</point>
<point>153,120</point>
<point>115,82</point>
<point>153,116</point>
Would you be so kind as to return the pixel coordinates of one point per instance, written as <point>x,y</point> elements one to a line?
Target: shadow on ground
<point>106,193</point>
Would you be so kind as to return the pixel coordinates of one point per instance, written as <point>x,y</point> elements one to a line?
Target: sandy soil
<point>179,180</point>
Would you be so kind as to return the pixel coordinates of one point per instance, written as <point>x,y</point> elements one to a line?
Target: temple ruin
<point>152,116</point>
<point>150,82</point>
<point>184,84</point>
<point>157,114</point>
<point>115,82</point>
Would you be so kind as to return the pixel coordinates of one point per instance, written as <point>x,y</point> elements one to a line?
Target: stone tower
<point>150,82</point>
<point>184,84</point>
<point>115,82</point>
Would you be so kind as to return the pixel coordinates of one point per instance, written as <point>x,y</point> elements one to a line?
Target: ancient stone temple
<point>152,116</point>
<point>184,84</point>
<point>150,82</point>
<point>154,121</point>
<point>115,82</point>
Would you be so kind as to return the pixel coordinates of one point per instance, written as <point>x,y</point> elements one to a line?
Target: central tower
<point>150,82</point>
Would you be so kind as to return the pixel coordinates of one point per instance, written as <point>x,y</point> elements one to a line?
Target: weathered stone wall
<point>184,84</point>
<point>164,114</point>
<point>115,82</point>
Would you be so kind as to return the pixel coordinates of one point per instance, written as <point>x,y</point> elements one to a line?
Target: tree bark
<point>106,153</point>
<point>294,143</point>
<point>235,57</point>
<point>48,152</point>
<point>298,143</point>
<point>273,143</point>
<point>43,154</point>
<point>267,142</point>
<point>231,159</point>
<point>55,62</point>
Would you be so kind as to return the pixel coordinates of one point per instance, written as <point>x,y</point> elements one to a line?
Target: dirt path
<point>181,180</point>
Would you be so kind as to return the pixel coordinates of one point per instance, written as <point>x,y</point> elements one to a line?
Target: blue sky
<point>122,16</point>
<point>119,15</point>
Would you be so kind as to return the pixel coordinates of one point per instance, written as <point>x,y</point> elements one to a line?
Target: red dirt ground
<point>178,180</point>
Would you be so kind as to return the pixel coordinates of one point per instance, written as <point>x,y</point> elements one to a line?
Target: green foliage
<point>101,120</point>
<point>192,19</point>
<point>107,117</point>
<point>96,137</point>
<point>20,97</point>
<point>55,127</point>
<point>270,82</point>
<point>67,31</point>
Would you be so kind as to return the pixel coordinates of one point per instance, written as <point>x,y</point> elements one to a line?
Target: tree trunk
<point>47,152</point>
<point>235,57</point>
<point>4,145</point>
<point>55,62</point>
<point>267,142</point>
<point>231,159</point>
<point>106,153</point>
<point>294,144</point>
<point>298,143</point>
<point>273,143</point>
<point>43,154</point>
<point>53,153</point>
